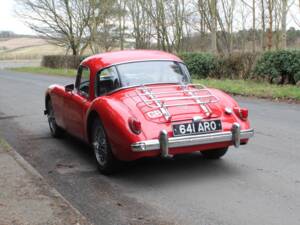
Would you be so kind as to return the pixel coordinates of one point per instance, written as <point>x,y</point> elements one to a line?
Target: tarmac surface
<point>19,63</point>
<point>256,184</point>
<point>26,199</point>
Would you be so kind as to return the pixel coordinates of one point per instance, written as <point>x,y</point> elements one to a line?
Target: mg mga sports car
<point>133,104</point>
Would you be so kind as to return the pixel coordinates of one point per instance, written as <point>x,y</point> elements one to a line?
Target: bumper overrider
<point>164,142</point>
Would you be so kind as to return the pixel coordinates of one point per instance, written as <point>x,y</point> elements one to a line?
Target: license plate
<point>201,127</point>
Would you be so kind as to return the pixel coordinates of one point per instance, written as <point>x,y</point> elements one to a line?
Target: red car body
<point>151,109</point>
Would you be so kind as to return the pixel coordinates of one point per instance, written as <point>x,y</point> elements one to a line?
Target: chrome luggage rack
<point>197,92</point>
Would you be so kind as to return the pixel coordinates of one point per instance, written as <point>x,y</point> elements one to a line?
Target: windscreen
<point>149,72</point>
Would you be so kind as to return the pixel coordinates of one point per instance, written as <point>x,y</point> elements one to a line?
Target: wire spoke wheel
<point>100,146</point>
<point>107,163</point>
<point>51,118</point>
<point>55,130</point>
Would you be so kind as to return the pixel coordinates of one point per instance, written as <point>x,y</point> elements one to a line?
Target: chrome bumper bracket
<point>164,144</point>
<point>236,135</point>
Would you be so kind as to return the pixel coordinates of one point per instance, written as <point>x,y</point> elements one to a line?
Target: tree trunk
<point>74,50</point>
<point>263,44</point>
<point>253,27</point>
<point>270,31</point>
<point>283,24</point>
<point>214,26</point>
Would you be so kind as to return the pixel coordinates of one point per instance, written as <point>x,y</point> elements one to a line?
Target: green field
<point>237,87</point>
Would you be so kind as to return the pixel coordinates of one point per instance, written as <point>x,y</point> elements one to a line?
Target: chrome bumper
<point>164,143</point>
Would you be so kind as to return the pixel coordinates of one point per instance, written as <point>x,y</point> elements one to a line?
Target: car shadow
<point>187,167</point>
<point>152,171</point>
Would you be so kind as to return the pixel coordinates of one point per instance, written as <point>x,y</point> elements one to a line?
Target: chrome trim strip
<point>191,140</point>
<point>147,60</point>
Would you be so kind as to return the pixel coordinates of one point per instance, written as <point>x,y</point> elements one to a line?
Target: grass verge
<point>4,146</point>
<point>254,88</point>
<point>46,70</point>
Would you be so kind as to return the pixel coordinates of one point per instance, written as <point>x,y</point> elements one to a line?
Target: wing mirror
<point>69,87</point>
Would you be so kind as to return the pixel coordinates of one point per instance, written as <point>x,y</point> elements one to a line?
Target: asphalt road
<point>256,184</point>
<point>19,63</point>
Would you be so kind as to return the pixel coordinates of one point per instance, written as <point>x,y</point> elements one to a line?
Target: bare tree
<point>263,25</point>
<point>169,25</point>
<point>213,8</point>
<point>121,14</point>
<point>141,23</point>
<point>63,22</point>
<point>178,14</point>
<point>253,9</point>
<point>228,7</point>
<point>104,29</point>
<point>277,18</point>
<point>270,5</point>
<point>283,24</point>
<point>244,14</point>
<point>253,27</point>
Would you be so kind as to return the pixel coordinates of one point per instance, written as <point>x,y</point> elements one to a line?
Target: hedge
<point>62,61</point>
<point>200,65</point>
<point>234,66</point>
<point>281,67</point>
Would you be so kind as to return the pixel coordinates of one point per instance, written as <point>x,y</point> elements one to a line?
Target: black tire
<point>107,163</point>
<point>55,130</point>
<point>214,154</point>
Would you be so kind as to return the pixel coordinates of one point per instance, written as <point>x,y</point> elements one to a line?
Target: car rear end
<point>174,119</point>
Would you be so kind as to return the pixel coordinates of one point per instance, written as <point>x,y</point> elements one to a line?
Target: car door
<point>77,102</point>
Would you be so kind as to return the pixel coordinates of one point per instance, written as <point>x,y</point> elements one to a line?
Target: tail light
<point>241,113</point>
<point>135,125</point>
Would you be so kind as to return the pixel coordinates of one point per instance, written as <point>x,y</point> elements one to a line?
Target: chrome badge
<point>154,114</point>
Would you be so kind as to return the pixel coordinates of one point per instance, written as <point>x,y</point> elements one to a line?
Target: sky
<point>9,21</point>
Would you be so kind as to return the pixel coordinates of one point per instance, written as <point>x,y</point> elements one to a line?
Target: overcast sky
<point>9,21</point>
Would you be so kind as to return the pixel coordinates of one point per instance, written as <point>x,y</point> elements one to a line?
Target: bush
<point>281,67</point>
<point>200,65</point>
<point>62,61</point>
<point>234,66</point>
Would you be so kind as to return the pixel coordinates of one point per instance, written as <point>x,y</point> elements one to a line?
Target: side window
<point>107,80</point>
<point>83,81</point>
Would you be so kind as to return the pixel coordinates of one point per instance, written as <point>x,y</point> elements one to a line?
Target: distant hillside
<point>26,47</point>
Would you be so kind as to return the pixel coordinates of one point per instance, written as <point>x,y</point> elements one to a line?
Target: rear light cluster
<point>241,112</point>
<point>135,125</point>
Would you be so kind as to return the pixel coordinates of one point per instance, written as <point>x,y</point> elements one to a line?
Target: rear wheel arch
<point>47,99</point>
<point>93,115</point>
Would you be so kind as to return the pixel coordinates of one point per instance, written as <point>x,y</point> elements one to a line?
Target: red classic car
<point>133,104</point>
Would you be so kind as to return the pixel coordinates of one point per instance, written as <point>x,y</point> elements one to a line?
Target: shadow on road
<point>187,167</point>
<point>183,168</point>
